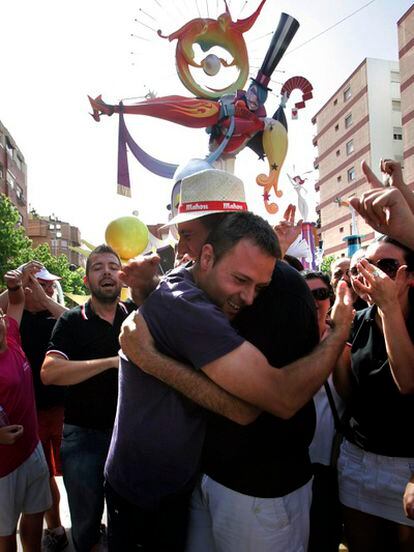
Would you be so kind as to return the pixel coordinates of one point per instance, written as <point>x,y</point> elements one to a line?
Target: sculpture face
<point>207,33</point>
<point>252,97</point>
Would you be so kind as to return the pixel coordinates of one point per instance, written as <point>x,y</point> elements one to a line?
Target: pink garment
<point>17,399</point>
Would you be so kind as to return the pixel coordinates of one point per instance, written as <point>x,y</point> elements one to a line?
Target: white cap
<point>44,274</point>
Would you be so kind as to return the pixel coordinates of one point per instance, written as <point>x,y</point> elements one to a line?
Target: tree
<point>16,249</point>
<point>13,240</point>
<point>326,263</point>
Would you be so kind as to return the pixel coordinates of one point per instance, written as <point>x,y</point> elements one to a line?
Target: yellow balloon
<point>128,236</point>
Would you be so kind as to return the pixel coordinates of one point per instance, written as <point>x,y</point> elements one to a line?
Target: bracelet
<point>14,288</point>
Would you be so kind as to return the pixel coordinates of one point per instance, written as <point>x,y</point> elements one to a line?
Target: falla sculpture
<point>234,117</point>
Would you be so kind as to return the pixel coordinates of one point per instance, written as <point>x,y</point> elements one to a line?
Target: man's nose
<point>181,248</point>
<point>248,295</point>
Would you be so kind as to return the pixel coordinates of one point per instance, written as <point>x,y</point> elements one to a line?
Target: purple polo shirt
<point>158,434</point>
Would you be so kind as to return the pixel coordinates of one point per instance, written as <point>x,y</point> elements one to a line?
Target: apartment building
<point>406,58</point>
<point>13,173</point>
<point>60,236</point>
<point>361,120</point>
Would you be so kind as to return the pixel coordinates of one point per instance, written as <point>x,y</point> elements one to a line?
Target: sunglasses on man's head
<point>320,294</point>
<point>388,266</point>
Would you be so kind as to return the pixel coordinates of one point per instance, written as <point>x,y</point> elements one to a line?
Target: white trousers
<point>223,520</point>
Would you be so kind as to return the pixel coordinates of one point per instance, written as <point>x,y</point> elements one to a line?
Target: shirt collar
<point>87,311</point>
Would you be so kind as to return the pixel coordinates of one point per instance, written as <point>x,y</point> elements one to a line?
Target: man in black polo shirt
<point>83,355</point>
<point>263,467</point>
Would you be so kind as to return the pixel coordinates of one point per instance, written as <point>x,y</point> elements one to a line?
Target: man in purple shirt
<point>158,435</point>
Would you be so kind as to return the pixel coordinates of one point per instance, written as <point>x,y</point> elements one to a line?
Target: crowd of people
<point>252,407</point>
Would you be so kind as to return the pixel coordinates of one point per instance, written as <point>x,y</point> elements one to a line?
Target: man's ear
<point>206,257</point>
<point>85,281</point>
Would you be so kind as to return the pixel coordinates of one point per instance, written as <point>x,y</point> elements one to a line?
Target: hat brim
<point>185,217</point>
<point>47,277</point>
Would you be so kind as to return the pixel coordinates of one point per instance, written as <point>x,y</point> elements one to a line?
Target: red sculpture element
<point>298,83</point>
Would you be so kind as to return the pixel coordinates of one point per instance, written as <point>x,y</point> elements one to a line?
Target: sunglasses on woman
<point>320,294</point>
<point>388,266</point>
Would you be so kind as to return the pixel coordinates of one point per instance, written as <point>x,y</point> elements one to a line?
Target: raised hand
<point>286,230</point>
<point>13,279</point>
<point>29,269</point>
<point>342,312</point>
<point>140,275</point>
<point>387,212</point>
<point>380,288</point>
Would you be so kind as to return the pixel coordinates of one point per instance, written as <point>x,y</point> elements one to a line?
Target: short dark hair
<point>97,251</point>
<point>317,275</point>
<point>243,225</point>
<point>294,262</point>
<point>211,221</point>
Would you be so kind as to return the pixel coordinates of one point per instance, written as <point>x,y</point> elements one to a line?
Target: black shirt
<point>381,417</point>
<point>269,457</point>
<point>35,330</point>
<point>80,334</point>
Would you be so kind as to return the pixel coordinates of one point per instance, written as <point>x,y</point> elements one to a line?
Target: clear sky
<point>56,53</point>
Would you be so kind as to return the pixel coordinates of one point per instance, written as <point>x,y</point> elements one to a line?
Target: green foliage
<point>13,239</point>
<point>15,249</point>
<point>326,263</point>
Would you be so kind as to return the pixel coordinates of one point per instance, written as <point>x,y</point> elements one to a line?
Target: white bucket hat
<point>207,192</point>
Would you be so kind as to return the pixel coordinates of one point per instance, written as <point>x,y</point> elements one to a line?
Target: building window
<point>347,93</point>
<point>338,153</point>
<point>9,147</point>
<point>351,174</point>
<point>10,180</point>
<point>397,133</point>
<point>335,101</point>
<point>349,147</point>
<point>395,76</point>
<point>339,178</point>
<point>19,161</point>
<point>19,192</point>
<point>348,120</point>
<point>396,105</point>
<point>341,229</point>
<point>336,128</point>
